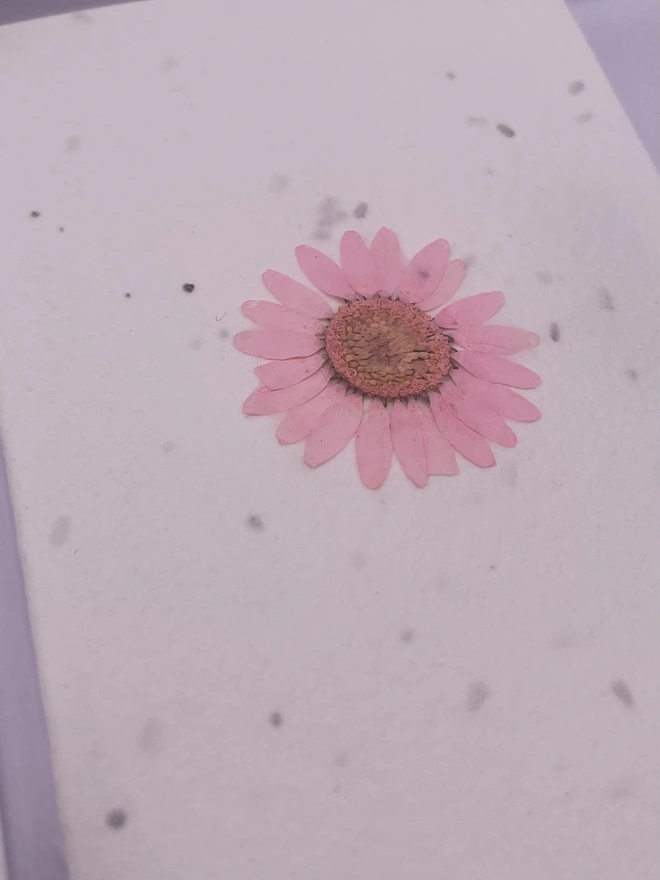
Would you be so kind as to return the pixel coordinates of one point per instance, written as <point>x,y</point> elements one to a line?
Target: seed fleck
<point>623,693</point>
<point>116,819</point>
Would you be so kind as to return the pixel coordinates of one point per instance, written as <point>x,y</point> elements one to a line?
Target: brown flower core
<point>387,348</point>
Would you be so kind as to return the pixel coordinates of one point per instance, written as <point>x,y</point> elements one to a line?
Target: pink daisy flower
<point>380,367</point>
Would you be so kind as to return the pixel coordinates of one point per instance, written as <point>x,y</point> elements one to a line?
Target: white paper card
<point>455,682</point>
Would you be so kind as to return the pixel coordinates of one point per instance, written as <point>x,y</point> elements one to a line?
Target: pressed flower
<point>385,366</point>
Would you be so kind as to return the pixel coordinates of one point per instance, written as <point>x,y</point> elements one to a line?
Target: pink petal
<point>502,400</point>
<point>464,440</point>
<point>322,272</point>
<point>282,374</point>
<point>386,251</point>
<point>476,415</point>
<point>495,368</point>
<point>450,283</point>
<point>471,310</point>
<point>424,272</point>
<point>493,339</point>
<point>277,344</point>
<point>296,295</point>
<point>408,443</point>
<point>373,446</point>
<point>270,314</point>
<point>333,430</point>
<point>263,402</point>
<point>440,456</point>
<point>358,264</point>
<point>300,420</point>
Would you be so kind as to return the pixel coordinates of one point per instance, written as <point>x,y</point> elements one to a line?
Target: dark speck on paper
<point>278,183</point>
<point>255,522</point>
<point>632,375</point>
<point>623,693</point>
<point>196,343</point>
<point>576,87</point>
<point>506,130</point>
<point>407,635</point>
<point>72,143</point>
<point>150,736</point>
<point>59,531</point>
<point>276,719</point>
<point>360,210</point>
<point>563,640</point>
<point>605,300</point>
<point>477,694</point>
<point>35,214</point>
<point>116,819</point>
<point>492,567</point>
<point>127,295</point>
<point>620,788</point>
<point>585,117</point>
<point>358,559</point>
<point>60,229</point>
<point>330,213</point>
<point>510,475</point>
<point>450,75</point>
<point>188,287</point>
<point>223,333</point>
<point>555,333</point>
<point>169,64</point>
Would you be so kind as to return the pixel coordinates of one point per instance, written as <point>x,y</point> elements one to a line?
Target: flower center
<point>387,348</point>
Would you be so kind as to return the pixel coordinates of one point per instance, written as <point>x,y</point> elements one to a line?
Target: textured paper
<point>253,670</point>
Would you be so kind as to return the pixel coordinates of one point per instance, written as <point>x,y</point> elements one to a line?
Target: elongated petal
<point>263,402</point>
<point>464,440</point>
<point>373,446</point>
<point>493,339</point>
<point>408,443</point>
<point>300,420</point>
<point>476,415</point>
<point>296,295</point>
<point>471,310</point>
<point>386,251</point>
<point>270,314</point>
<point>424,272</point>
<point>277,344</point>
<point>495,368</point>
<point>333,430</point>
<point>450,283</point>
<point>440,456</point>
<point>322,272</point>
<point>283,374</point>
<point>358,264</point>
<point>501,399</point>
